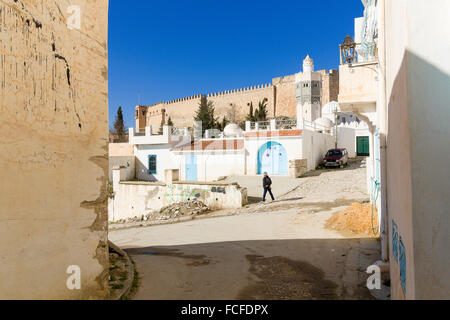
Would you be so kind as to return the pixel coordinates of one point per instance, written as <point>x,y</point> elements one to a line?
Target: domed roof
<point>331,108</point>
<point>233,130</point>
<point>324,122</point>
<point>308,61</point>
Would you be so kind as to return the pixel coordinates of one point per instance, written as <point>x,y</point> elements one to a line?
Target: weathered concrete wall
<point>54,149</point>
<point>135,199</point>
<point>417,79</point>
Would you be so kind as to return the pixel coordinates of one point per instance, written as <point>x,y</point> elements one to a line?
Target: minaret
<point>308,92</point>
<point>308,64</point>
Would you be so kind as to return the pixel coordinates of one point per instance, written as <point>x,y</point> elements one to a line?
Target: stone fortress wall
<point>280,93</point>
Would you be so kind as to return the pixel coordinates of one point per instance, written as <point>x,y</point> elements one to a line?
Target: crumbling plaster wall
<point>135,199</point>
<point>54,149</point>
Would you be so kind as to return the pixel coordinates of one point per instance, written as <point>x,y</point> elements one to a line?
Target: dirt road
<point>274,251</point>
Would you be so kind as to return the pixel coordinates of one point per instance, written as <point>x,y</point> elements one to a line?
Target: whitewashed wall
<point>347,135</point>
<point>165,160</point>
<point>293,146</point>
<point>315,146</point>
<point>418,95</point>
<point>212,165</point>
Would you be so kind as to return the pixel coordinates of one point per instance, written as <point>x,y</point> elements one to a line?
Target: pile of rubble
<point>173,211</point>
<point>177,210</point>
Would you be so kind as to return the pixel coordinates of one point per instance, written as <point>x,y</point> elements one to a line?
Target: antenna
<point>139,97</point>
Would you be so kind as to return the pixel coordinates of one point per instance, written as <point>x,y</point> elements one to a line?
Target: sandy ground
<point>278,250</point>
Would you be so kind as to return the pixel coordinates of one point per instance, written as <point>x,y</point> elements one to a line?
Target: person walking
<point>267,184</point>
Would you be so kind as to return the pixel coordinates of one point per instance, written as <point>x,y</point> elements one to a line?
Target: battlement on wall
<point>241,90</point>
<point>220,93</point>
<point>284,79</point>
<point>331,72</point>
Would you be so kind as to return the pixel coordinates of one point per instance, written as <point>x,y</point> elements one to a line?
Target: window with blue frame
<point>152,164</point>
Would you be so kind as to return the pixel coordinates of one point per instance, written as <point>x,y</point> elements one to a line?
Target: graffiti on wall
<point>399,253</point>
<point>402,259</point>
<point>181,193</point>
<point>395,241</point>
<point>218,190</point>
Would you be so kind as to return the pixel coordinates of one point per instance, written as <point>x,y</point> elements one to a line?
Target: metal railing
<point>263,125</point>
<point>287,124</point>
<point>177,131</point>
<point>139,132</point>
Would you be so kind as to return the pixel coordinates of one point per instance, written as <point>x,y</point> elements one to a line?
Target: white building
<point>274,149</point>
<point>399,85</point>
<point>308,91</point>
<point>284,147</point>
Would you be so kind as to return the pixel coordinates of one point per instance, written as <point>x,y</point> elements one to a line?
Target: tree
<point>205,114</point>
<point>261,112</point>
<point>170,122</point>
<point>250,116</point>
<point>161,130</point>
<point>119,126</point>
<point>221,126</point>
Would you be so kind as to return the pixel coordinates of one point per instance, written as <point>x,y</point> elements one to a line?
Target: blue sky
<point>173,49</point>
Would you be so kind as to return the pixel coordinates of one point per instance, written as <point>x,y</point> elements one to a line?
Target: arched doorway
<point>272,158</point>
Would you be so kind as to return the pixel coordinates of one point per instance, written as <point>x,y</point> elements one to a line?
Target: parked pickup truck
<point>336,158</point>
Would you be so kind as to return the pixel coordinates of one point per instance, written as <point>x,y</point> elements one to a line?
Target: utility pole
<point>336,129</point>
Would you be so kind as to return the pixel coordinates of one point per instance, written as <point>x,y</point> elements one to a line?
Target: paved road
<point>282,185</point>
<point>274,251</point>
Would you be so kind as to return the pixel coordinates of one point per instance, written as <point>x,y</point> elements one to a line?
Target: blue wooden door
<point>272,158</point>
<point>191,168</point>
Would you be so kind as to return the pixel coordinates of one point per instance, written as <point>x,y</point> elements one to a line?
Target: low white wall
<point>135,199</point>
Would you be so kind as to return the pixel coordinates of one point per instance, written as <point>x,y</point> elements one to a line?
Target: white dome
<point>324,122</point>
<point>233,130</point>
<point>331,108</point>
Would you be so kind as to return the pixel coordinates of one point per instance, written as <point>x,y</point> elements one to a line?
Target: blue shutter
<point>152,164</point>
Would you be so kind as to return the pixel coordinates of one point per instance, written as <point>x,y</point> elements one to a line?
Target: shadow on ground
<point>301,269</point>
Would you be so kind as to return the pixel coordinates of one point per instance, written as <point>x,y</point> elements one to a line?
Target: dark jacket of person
<point>267,182</point>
